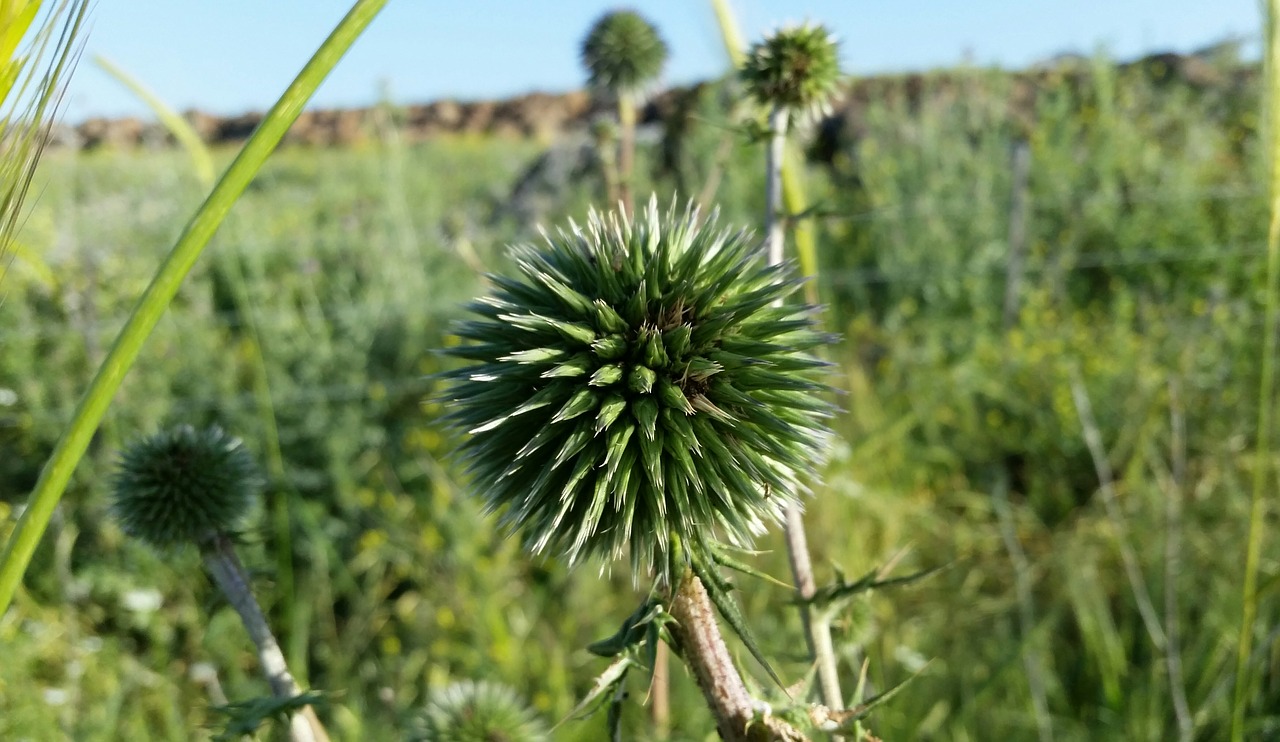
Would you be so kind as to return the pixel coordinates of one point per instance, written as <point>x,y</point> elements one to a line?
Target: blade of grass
<point>29,96</point>
<point>1262,456</point>
<point>179,127</point>
<point>202,163</point>
<point>75,439</point>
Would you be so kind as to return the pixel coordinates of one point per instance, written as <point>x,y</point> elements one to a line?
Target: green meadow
<point>1011,279</point>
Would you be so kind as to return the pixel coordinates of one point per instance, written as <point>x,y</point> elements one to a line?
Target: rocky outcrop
<point>545,115</point>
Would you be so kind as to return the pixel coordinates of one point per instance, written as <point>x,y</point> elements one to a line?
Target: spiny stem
<point>703,649</point>
<point>226,570</point>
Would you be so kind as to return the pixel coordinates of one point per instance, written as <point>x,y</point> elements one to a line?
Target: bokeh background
<point>1037,223</point>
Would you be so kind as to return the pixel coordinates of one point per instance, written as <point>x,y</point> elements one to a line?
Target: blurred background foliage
<point>310,329</point>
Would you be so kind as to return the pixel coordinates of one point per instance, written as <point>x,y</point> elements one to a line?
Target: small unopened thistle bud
<point>634,381</point>
<point>623,53</point>
<point>477,712</point>
<point>184,486</point>
<point>795,68</point>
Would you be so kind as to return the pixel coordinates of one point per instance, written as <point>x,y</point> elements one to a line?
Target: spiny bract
<point>623,53</point>
<point>635,381</point>
<point>795,68</point>
<point>183,486</point>
<point>477,712</point>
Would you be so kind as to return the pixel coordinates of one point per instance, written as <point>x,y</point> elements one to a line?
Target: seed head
<point>796,68</point>
<point>634,380</point>
<point>183,486</point>
<point>623,53</point>
<point>477,712</point>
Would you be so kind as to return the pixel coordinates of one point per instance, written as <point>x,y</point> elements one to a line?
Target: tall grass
<point>1263,463</point>
<point>37,52</point>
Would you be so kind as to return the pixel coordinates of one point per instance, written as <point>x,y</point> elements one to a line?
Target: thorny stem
<point>702,648</point>
<point>225,568</point>
<point>817,630</point>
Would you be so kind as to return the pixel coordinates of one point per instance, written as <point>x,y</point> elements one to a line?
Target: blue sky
<point>230,56</point>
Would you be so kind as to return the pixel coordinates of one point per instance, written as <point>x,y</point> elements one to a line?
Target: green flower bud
<point>477,712</point>
<point>660,429</point>
<point>183,486</point>
<point>794,68</point>
<point>623,53</point>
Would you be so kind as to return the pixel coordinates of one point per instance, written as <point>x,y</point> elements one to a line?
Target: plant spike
<point>639,441</point>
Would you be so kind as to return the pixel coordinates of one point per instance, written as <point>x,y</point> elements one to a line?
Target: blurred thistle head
<point>183,486</point>
<point>635,381</point>
<point>472,711</point>
<point>796,68</point>
<point>623,53</point>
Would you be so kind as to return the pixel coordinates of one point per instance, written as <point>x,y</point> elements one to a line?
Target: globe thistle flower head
<point>637,380</point>
<point>183,486</point>
<point>623,53</point>
<point>472,711</point>
<point>796,68</point>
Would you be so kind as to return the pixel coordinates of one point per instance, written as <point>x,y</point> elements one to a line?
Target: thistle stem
<point>702,648</point>
<point>626,149</point>
<point>227,571</point>
<point>778,120</point>
<point>817,630</point>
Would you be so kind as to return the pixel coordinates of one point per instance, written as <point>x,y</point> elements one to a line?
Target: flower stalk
<point>739,718</point>
<point>229,575</point>
<point>186,487</point>
<point>624,54</point>
<point>793,72</point>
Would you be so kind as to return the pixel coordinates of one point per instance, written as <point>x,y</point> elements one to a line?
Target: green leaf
<point>729,610</point>
<point>829,595</point>
<point>848,719</point>
<point>244,717</point>
<point>605,682</point>
<point>724,560</point>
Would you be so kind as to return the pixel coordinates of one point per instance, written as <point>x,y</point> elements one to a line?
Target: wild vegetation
<point>1048,305</point>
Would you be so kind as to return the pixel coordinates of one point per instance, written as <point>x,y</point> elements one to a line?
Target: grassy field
<point>1081,596</point>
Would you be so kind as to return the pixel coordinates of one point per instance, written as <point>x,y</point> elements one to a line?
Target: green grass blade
<point>29,96</point>
<point>1263,453</point>
<point>179,127</point>
<point>93,406</point>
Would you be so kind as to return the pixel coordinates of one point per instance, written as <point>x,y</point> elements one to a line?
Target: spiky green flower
<point>623,53</point>
<point>796,68</point>
<point>635,381</point>
<point>183,486</point>
<point>477,712</point>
